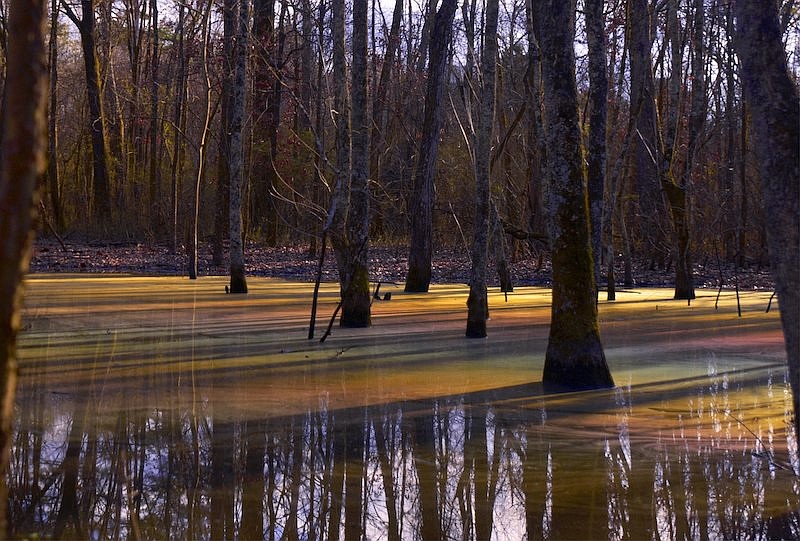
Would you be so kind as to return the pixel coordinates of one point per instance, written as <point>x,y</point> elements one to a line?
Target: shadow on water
<point>194,450</point>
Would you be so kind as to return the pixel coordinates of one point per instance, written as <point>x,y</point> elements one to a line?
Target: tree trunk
<point>596,144</point>
<point>651,206</point>
<point>23,149</point>
<point>574,357</point>
<point>477,302</point>
<point>340,200</point>
<point>101,194</point>
<point>155,124</point>
<point>222,201</point>
<point>422,193</point>
<point>267,98</point>
<point>179,125</point>
<point>236,168</point>
<point>202,148</point>
<point>52,158</point>
<point>355,294</point>
<point>775,127</point>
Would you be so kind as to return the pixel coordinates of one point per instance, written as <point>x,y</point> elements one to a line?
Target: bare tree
<point>101,181</point>
<point>477,302</point>
<point>420,250</point>
<point>596,144</point>
<point>773,100</point>
<point>574,357</point>
<point>24,142</point>
<point>53,185</point>
<point>238,281</point>
<point>203,146</point>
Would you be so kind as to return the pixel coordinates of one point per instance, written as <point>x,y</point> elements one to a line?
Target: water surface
<point>160,408</point>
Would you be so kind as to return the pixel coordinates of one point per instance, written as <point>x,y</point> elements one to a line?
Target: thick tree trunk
<point>775,127</point>
<point>24,142</point>
<point>574,357</point>
<point>477,302</point>
<point>355,294</point>
<point>238,281</point>
<point>421,204</point>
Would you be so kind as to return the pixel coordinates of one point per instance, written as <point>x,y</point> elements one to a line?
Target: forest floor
<point>387,264</point>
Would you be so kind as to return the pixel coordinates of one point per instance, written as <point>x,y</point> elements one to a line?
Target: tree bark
<point>238,281</point>
<point>202,148</point>
<point>652,211</point>
<point>24,142</point>
<point>222,201</point>
<point>775,127</point>
<point>596,144</point>
<point>155,123</point>
<point>267,97</point>
<point>477,302</point>
<point>101,192</point>
<point>422,193</point>
<point>53,184</point>
<point>574,357</point>
<point>355,294</point>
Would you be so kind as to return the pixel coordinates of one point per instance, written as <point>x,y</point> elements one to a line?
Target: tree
<point>651,205</point>
<point>236,168</point>
<point>101,178</point>
<point>155,123</point>
<point>596,143</point>
<point>422,191</point>
<point>772,98</point>
<point>477,302</point>
<point>24,141</point>
<point>574,357</point>
<point>202,147</point>
<point>53,186</point>
<point>355,297</point>
<point>348,217</point>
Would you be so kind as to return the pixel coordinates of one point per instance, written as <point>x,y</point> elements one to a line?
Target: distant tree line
<point>132,82</point>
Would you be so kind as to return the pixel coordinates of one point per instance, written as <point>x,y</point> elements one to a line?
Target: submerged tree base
<point>576,365</point>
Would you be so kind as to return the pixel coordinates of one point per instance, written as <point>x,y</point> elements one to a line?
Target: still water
<point>156,408</point>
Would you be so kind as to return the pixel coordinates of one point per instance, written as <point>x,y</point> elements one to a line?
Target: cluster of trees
<point>279,122</point>
<point>149,102</point>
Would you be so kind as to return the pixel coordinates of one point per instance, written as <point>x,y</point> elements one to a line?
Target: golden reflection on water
<point>162,408</point>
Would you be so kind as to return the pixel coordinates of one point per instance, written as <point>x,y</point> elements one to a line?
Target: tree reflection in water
<point>506,464</point>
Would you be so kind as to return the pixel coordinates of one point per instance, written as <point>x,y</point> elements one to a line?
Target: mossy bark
<point>574,358</point>
<point>355,297</point>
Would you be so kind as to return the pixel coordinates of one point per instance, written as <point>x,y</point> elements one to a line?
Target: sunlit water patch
<point>162,408</point>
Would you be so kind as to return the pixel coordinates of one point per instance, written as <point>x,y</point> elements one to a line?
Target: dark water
<point>147,417</point>
<point>505,464</point>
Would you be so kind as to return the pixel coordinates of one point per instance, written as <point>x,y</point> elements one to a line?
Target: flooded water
<point>159,408</point>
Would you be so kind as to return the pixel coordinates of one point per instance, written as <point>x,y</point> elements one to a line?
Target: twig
<point>330,323</point>
<point>316,287</point>
<point>769,304</point>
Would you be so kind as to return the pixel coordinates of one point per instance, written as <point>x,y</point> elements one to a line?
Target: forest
<point>624,169</point>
